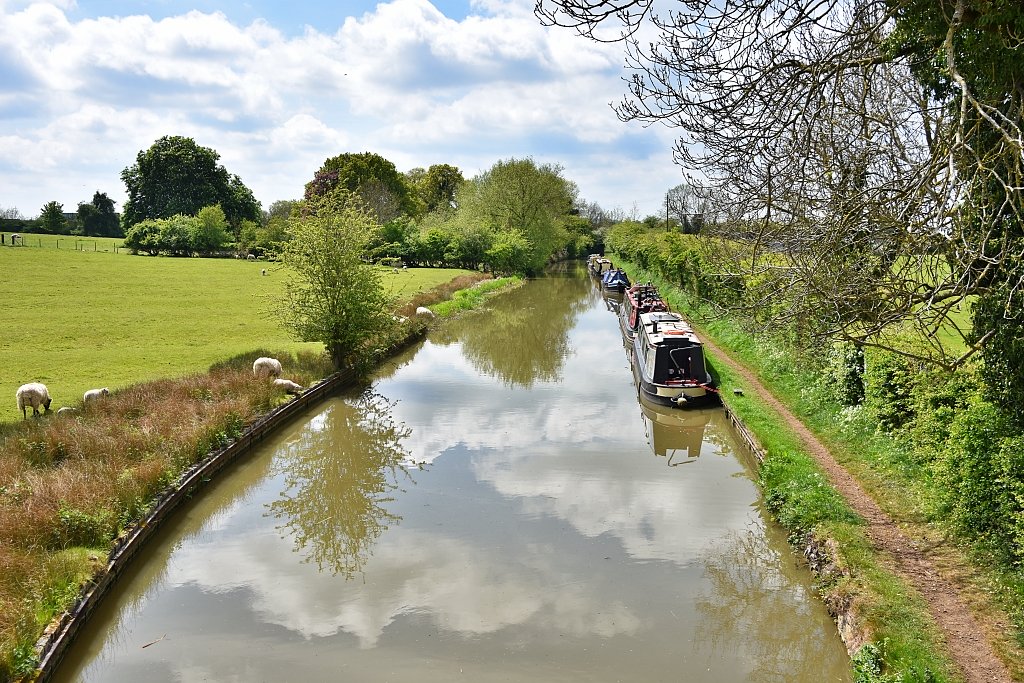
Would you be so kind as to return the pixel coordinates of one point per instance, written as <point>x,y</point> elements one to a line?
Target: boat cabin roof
<point>665,327</point>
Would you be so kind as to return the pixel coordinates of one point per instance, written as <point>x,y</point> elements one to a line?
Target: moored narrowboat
<point>668,362</point>
<point>638,299</point>
<point>615,280</point>
<point>598,265</point>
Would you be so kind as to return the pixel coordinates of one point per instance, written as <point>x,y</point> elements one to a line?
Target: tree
<point>209,230</point>
<point>177,176</point>
<point>331,296</point>
<point>517,194</point>
<point>52,219</point>
<point>439,186</point>
<point>865,153</point>
<point>98,217</point>
<point>375,179</point>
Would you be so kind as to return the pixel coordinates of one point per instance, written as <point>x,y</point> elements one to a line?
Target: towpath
<point>966,639</point>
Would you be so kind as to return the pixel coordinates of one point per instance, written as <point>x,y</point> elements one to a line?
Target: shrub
<point>888,388</point>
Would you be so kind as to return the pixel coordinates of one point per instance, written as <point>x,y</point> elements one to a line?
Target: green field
<point>78,320</point>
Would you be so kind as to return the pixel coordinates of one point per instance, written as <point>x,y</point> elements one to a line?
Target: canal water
<point>495,506</point>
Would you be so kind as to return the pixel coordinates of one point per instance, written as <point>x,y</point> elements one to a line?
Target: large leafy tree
<point>332,296</point>
<point>52,219</point>
<point>373,178</point>
<point>520,195</point>
<point>439,186</point>
<point>177,176</point>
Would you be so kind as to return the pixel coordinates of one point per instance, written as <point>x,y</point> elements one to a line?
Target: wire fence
<point>113,245</point>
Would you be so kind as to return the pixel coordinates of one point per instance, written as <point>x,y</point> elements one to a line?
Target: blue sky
<point>277,87</point>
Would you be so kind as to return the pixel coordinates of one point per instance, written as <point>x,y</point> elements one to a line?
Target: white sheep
<point>33,394</point>
<point>66,410</point>
<point>424,311</point>
<point>288,385</point>
<point>266,367</point>
<point>94,394</point>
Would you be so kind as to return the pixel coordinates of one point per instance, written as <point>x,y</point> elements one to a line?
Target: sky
<point>276,87</point>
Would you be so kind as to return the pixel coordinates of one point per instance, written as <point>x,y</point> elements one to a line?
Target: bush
<point>888,388</point>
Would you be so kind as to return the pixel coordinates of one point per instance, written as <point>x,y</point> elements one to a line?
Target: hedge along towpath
<point>964,638</point>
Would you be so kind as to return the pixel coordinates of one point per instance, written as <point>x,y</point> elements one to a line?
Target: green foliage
<point>473,297</point>
<point>519,195</point>
<point>79,528</point>
<point>798,494</point>
<point>1000,314</point>
<point>51,218</point>
<point>438,185</point>
<point>331,296</point>
<point>681,259</point>
<point>981,473</point>
<point>209,230</point>
<point>177,176</point>
<point>509,253</point>
<point>842,374</point>
<point>180,235</point>
<point>371,177</point>
<point>888,388</point>
<point>98,218</point>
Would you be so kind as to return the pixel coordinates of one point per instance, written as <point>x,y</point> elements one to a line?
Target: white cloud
<point>403,80</point>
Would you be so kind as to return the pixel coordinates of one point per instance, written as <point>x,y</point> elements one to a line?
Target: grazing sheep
<point>288,385</point>
<point>33,394</point>
<point>66,410</point>
<point>251,257</point>
<point>424,311</point>
<point>94,394</point>
<point>266,367</point>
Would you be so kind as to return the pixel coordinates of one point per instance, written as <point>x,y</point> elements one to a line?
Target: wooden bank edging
<point>748,437</point>
<point>57,638</point>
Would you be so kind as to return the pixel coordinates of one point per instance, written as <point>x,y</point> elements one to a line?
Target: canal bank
<point>529,531</point>
<point>61,632</point>
<point>889,590</point>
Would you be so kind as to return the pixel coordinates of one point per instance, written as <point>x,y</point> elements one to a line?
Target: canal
<point>494,506</point>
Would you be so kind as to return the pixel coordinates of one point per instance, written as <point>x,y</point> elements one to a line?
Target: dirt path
<point>969,648</point>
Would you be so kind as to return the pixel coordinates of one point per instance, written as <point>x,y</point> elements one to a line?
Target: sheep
<point>251,257</point>
<point>66,410</point>
<point>424,311</point>
<point>33,394</point>
<point>266,367</point>
<point>263,272</point>
<point>288,385</point>
<point>94,394</point>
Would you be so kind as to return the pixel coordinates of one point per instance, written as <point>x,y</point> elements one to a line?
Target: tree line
<point>513,218</point>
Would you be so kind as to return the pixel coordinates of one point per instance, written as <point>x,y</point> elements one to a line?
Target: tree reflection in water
<point>753,605</point>
<point>525,338</point>
<point>339,480</point>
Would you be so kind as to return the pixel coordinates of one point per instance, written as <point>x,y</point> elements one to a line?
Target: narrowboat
<point>615,280</point>
<point>598,265</point>
<point>638,299</point>
<point>668,362</point>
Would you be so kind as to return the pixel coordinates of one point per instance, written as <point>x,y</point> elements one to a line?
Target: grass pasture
<point>78,320</point>
<point>68,243</point>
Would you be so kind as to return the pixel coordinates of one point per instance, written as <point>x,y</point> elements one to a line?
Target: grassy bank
<point>894,618</point>
<point>69,484</point>
<point>83,320</point>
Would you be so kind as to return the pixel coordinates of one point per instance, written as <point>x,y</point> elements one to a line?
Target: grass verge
<point>901,641</point>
